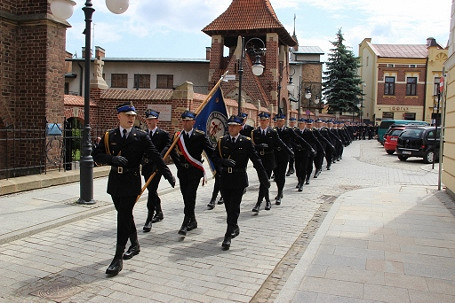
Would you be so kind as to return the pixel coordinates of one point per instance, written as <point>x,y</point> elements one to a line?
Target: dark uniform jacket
<point>288,136</point>
<point>162,142</point>
<point>240,152</point>
<point>266,146</point>
<point>302,146</point>
<point>246,130</point>
<point>311,138</point>
<point>195,145</point>
<point>126,181</point>
<point>322,139</point>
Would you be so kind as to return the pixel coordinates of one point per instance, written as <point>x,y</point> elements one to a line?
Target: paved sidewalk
<point>388,237</point>
<point>383,244</point>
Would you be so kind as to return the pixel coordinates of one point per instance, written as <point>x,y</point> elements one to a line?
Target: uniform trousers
<point>302,164</point>
<point>309,167</point>
<point>263,190</point>
<point>125,220</point>
<point>188,188</point>
<point>319,160</point>
<point>328,156</point>
<point>153,200</point>
<point>232,198</point>
<point>280,174</point>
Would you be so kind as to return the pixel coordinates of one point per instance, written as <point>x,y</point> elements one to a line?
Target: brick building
<point>396,78</point>
<point>252,19</point>
<point>32,61</point>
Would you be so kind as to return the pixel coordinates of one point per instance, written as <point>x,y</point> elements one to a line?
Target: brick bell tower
<point>252,19</point>
<point>32,58</point>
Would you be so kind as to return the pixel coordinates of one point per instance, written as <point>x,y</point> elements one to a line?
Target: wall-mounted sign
<point>164,109</point>
<point>399,108</point>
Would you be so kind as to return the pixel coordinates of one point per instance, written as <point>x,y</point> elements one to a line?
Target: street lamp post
<point>63,9</point>
<point>308,97</point>
<point>257,68</point>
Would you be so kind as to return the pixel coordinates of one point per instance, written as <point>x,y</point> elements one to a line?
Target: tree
<point>341,83</point>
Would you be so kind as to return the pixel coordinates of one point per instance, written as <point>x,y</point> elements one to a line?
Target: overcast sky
<point>172,28</point>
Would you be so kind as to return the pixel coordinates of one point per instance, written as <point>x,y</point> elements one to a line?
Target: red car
<point>391,137</point>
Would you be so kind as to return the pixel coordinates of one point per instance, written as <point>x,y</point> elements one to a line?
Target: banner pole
<point>198,110</point>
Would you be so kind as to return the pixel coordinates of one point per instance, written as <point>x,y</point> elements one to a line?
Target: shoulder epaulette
<point>200,131</point>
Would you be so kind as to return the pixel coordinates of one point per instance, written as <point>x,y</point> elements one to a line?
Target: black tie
<point>186,136</point>
<point>233,139</point>
<point>124,135</point>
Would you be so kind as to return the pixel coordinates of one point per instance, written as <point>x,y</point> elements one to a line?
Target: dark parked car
<point>419,142</point>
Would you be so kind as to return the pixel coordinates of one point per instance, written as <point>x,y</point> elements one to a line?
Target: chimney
<point>100,53</point>
<point>431,42</point>
<point>208,53</point>
<point>83,52</point>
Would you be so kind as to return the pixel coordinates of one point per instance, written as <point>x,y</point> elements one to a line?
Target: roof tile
<point>244,15</point>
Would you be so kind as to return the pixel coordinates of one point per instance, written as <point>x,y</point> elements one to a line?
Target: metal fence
<point>27,151</point>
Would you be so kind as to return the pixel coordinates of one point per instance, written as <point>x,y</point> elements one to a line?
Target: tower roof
<point>244,16</point>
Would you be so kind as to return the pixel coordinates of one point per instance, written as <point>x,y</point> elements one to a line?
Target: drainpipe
<point>425,92</point>
<point>81,78</point>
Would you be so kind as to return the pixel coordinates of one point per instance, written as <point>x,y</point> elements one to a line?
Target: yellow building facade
<point>448,175</point>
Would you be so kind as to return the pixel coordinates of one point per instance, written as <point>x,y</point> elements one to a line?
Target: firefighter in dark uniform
<point>326,144</point>
<point>246,129</point>
<point>337,140</point>
<point>292,122</point>
<point>187,156</point>
<point>330,149</point>
<point>231,156</point>
<point>282,154</point>
<point>266,141</point>
<point>303,154</point>
<point>311,138</point>
<point>162,141</point>
<point>123,148</point>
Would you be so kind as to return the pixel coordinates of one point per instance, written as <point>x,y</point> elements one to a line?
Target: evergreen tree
<point>341,83</point>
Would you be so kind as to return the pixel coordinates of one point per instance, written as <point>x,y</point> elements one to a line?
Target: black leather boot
<point>134,249</point>
<point>211,204</point>
<point>268,205</point>
<point>192,224</point>
<point>148,223</point>
<point>158,216</point>
<point>257,207</point>
<point>184,228</point>
<point>117,263</point>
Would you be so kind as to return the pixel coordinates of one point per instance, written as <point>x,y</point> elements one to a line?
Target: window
<point>119,80</point>
<point>141,81</point>
<point>387,115</point>
<point>436,86</point>
<point>412,66</point>
<point>164,81</point>
<point>411,86</point>
<point>390,65</point>
<point>389,87</point>
<point>409,116</point>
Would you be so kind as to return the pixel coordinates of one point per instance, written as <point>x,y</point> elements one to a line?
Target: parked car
<point>385,124</point>
<point>418,141</point>
<point>391,137</point>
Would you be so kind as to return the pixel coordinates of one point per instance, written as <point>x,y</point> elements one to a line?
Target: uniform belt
<point>265,152</point>
<point>124,170</point>
<point>231,170</point>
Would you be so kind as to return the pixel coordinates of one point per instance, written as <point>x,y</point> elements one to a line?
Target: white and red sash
<point>194,162</point>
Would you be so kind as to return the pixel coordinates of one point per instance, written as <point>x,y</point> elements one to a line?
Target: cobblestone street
<point>67,263</point>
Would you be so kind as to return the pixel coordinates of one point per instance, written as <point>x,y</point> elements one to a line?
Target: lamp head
<point>62,9</point>
<point>258,68</point>
<point>117,6</point>
<point>308,94</point>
